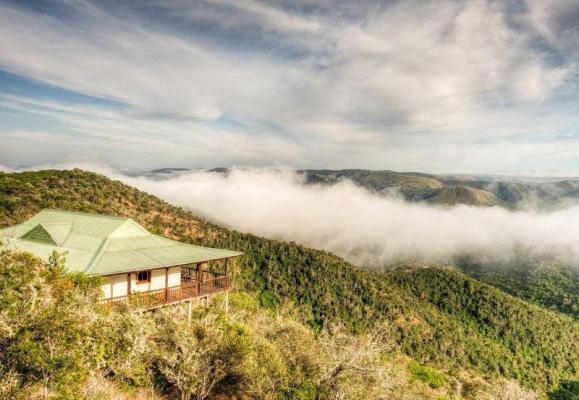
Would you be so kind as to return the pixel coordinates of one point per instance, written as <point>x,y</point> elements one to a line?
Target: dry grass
<point>100,388</point>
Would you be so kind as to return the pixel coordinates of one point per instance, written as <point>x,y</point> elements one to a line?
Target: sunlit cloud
<point>365,228</point>
<point>365,84</point>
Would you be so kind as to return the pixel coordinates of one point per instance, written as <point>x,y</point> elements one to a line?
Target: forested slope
<point>554,286</point>
<point>436,315</point>
<point>57,342</point>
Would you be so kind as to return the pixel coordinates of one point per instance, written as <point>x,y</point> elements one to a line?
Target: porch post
<point>200,267</point>
<point>128,284</point>
<point>226,276</point>
<point>166,284</point>
<point>199,277</point>
<point>200,271</point>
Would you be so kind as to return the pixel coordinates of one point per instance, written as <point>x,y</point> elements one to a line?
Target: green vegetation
<point>58,343</point>
<point>567,391</point>
<point>45,320</point>
<point>527,333</point>
<point>552,286</point>
<point>427,375</point>
<point>439,317</point>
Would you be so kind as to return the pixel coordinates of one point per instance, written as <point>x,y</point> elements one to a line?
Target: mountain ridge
<point>475,190</point>
<point>510,192</point>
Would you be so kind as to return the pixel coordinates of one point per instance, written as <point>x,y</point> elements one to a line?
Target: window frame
<point>140,281</point>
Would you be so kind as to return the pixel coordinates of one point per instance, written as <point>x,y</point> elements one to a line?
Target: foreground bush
<point>57,342</point>
<point>54,336</point>
<point>47,320</point>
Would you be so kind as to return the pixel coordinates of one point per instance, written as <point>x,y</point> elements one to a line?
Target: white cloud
<point>121,131</point>
<point>273,17</point>
<point>365,228</point>
<point>361,81</point>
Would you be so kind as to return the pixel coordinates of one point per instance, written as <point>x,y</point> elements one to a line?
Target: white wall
<point>117,285</point>
<point>106,288</point>
<point>174,276</point>
<point>157,279</point>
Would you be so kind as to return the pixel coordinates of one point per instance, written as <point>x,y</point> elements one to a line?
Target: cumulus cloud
<point>364,228</point>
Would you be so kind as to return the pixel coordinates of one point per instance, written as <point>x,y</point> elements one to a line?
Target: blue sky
<point>441,86</point>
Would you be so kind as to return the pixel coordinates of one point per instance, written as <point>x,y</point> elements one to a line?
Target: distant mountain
<point>160,174</point>
<point>411,185</point>
<point>509,192</point>
<point>169,170</point>
<point>465,195</point>
<point>517,193</point>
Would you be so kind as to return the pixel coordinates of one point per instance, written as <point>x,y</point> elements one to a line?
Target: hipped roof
<point>101,244</point>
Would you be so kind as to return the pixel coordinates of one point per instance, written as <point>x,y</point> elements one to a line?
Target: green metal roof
<point>101,244</point>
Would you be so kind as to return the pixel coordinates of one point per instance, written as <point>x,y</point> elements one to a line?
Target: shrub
<point>47,317</point>
<point>431,377</point>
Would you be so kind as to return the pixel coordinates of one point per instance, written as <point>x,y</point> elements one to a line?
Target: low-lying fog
<point>364,228</point>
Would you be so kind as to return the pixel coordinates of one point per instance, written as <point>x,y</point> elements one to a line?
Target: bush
<point>431,377</point>
<point>47,317</point>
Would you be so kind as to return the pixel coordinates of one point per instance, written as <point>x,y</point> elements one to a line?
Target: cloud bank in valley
<point>364,228</point>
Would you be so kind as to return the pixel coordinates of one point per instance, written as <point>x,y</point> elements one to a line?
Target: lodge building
<point>136,266</point>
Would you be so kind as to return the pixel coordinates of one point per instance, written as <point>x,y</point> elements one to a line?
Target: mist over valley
<point>379,218</point>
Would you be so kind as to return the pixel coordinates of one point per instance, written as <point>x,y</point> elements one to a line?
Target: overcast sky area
<point>441,86</point>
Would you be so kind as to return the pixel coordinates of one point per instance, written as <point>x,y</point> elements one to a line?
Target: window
<point>143,277</point>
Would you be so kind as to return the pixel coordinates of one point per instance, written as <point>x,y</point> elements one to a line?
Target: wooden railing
<point>212,282</point>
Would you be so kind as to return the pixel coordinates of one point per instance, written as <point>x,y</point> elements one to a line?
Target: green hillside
<point>56,342</point>
<point>437,316</point>
<point>553,286</point>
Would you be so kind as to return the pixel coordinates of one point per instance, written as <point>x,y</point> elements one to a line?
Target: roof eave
<point>165,266</point>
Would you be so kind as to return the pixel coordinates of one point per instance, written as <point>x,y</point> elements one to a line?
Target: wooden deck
<point>189,288</point>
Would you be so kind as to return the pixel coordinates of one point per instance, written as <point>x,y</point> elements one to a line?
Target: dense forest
<point>449,326</point>
<point>551,285</point>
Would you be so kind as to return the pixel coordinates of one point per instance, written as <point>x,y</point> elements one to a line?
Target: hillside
<point>551,285</point>
<point>437,316</point>
<point>412,186</point>
<point>509,192</point>
<point>465,195</point>
<point>68,347</point>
